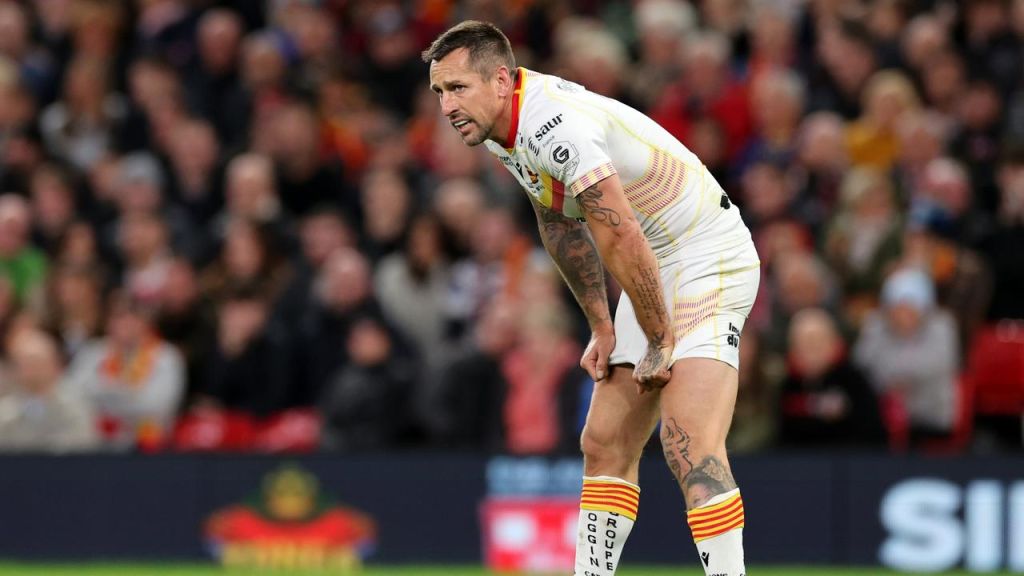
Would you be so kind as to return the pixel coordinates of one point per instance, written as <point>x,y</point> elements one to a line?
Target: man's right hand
<point>595,357</point>
<point>652,371</point>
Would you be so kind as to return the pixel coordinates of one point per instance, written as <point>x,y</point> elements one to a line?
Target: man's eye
<point>458,88</point>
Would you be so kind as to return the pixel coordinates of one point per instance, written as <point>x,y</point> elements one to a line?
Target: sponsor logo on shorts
<point>734,338</point>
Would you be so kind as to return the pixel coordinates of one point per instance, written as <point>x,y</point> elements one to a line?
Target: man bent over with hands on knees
<point>610,185</point>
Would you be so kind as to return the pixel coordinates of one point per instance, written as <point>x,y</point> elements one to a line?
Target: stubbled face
<point>471,103</point>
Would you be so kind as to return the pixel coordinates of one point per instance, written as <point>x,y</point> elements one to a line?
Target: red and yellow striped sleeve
<point>592,177</point>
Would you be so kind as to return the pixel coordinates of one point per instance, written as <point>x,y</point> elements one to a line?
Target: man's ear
<point>503,76</point>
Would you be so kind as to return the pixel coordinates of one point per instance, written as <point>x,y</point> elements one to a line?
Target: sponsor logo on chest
<point>547,127</point>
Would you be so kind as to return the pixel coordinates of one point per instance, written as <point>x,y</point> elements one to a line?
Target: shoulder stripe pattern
<point>590,178</point>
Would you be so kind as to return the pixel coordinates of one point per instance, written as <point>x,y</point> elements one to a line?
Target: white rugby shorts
<point>709,298</point>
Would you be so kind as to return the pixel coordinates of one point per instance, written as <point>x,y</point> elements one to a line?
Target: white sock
<point>607,512</point>
<point>717,529</point>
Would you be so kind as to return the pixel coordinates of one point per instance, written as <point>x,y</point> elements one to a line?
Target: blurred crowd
<point>245,225</point>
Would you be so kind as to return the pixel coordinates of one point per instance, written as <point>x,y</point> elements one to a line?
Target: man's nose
<point>448,107</point>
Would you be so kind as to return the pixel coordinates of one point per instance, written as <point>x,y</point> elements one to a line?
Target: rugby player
<point>611,186</point>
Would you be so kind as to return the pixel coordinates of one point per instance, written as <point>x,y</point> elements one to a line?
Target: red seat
<point>210,430</point>
<point>995,368</point>
<point>897,423</point>
<point>295,430</point>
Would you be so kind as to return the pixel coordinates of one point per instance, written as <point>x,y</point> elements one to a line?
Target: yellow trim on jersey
<point>545,198</point>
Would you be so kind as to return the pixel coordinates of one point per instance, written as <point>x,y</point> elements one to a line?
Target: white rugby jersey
<point>566,139</point>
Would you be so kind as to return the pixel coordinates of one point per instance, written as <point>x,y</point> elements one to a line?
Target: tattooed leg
<point>697,408</point>
<point>698,483</point>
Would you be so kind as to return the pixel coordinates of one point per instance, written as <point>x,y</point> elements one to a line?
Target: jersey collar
<point>517,103</point>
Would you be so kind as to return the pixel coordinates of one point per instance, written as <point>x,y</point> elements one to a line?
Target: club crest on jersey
<point>547,127</point>
<point>565,157</point>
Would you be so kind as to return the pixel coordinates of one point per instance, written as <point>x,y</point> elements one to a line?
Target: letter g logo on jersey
<point>566,159</point>
<point>560,155</point>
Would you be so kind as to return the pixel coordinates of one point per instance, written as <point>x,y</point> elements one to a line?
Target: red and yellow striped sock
<point>717,529</point>
<point>610,495</point>
<point>607,511</point>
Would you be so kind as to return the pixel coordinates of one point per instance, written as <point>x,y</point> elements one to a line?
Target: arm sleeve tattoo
<point>572,249</point>
<point>630,260</point>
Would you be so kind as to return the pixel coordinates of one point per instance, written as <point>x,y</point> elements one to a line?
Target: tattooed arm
<point>573,251</point>
<point>629,258</point>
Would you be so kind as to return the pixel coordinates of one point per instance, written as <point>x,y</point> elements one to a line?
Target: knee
<point>604,454</point>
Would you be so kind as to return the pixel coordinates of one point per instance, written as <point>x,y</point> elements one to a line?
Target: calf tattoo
<point>676,444</point>
<point>699,483</point>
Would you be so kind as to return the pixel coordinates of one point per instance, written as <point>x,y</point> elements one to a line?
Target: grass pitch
<point>30,569</point>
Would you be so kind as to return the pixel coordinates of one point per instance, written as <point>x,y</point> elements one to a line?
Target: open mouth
<point>460,125</point>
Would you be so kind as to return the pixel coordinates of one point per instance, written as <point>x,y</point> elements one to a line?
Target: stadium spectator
<point>946,187</point>
<point>52,197</point>
<point>248,257</point>
<point>825,400</point>
<point>42,413</point>
<point>963,282</point>
<point>342,294</point>
<point>412,284</point>
<point>186,318</point>
<point>194,155</point>
<point>251,193</point>
<point>23,264</point>
<point>132,378</point>
<point>139,188</point>
<point>1004,247</point>
<point>464,407</point>
<point>305,179</point>
<point>661,29</point>
<point>943,81</point>
<point>387,203</point>
<point>872,138</point>
<point>247,369</point>
<point>776,106</point>
<point>923,137</point>
<point>541,406</point>
<point>708,89</point>
<point>212,89</point>
<point>366,403</point>
<point>458,204</point>
<point>76,307</point>
<point>820,165</point>
<point>847,58</point>
<point>145,248</point>
<point>499,251</point>
<point>864,239</point>
<point>977,141</point>
<point>80,128</point>
<point>909,349</point>
<point>799,279</point>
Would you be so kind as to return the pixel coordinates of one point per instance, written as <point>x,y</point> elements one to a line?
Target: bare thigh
<point>619,424</point>
<point>696,411</point>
